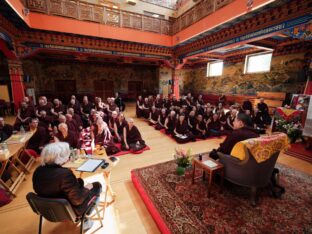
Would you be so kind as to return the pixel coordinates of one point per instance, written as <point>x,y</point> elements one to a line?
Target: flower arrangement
<point>183,158</point>
<point>293,129</point>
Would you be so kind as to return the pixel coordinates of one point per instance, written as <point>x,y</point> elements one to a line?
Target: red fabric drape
<point>308,88</point>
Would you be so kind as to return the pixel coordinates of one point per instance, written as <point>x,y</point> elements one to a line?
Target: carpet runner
<point>178,206</point>
<point>298,150</point>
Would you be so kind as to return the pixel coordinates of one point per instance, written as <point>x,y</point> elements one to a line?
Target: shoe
<point>87,224</point>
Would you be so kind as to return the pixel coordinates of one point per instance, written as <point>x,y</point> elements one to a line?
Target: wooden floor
<point>128,214</point>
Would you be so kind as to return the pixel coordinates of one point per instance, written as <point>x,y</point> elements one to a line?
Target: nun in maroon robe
<point>103,137</point>
<point>66,136</point>
<point>153,116</point>
<point>132,138</point>
<point>24,115</point>
<point>170,123</point>
<point>214,127</point>
<point>201,131</point>
<point>181,131</point>
<point>39,137</point>
<point>161,120</point>
<point>139,107</point>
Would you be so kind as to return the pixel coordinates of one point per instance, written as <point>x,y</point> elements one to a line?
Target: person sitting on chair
<point>132,137</point>
<point>241,132</point>
<point>51,180</point>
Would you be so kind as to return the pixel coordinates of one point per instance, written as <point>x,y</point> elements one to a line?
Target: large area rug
<point>178,206</point>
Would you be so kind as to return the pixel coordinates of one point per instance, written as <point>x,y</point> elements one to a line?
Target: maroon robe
<point>71,138</point>
<point>38,139</point>
<point>133,135</point>
<point>236,136</point>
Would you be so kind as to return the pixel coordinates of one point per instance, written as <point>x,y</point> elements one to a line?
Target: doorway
<point>135,88</point>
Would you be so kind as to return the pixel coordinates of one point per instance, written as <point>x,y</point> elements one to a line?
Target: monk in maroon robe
<point>241,132</point>
<point>139,107</point>
<point>161,119</point>
<point>132,139</point>
<point>201,131</point>
<point>39,137</point>
<point>181,131</point>
<point>153,116</point>
<point>66,136</point>
<point>170,123</point>
<point>24,115</point>
<point>214,127</point>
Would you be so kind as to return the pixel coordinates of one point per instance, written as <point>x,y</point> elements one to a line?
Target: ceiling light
<point>115,7</point>
<point>155,15</point>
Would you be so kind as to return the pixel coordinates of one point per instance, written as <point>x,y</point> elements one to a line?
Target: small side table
<point>211,171</point>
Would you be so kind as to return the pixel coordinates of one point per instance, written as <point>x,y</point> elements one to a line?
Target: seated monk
<point>201,131</point>
<point>139,107</point>
<point>161,119</point>
<point>191,122</point>
<point>24,115</point>
<point>66,136</point>
<point>43,105</point>
<point>72,124</point>
<point>241,132</point>
<point>146,108</point>
<point>214,127</point>
<point>76,117</point>
<point>132,138</point>
<point>103,137</point>
<point>39,137</point>
<point>6,130</point>
<point>181,131</point>
<point>153,116</point>
<point>121,123</point>
<point>112,122</point>
<point>45,121</point>
<point>170,123</point>
<point>57,109</point>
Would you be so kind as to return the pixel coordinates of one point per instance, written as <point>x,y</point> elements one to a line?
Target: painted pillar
<point>16,76</point>
<point>175,83</point>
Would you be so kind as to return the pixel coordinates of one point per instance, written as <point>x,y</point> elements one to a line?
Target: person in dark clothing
<point>39,137</point>
<point>51,180</point>
<point>161,119</point>
<point>66,136</point>
<point>132,138</point>
<point>181,131</point>
<point>241,132</point>
<point>86,108</point>
<point>119,102</point>
<point>24,115</point>
<point>6,130</point>
<point>121,123</point>
<point>153,116</point>
<point>170,123</point>
<point>139,107</point>
<point>201,131</point>
<point>264,110</point>
<point>191,122</point>
<point>247,105</point>
<point>159,102</point>
<point>214,127</point>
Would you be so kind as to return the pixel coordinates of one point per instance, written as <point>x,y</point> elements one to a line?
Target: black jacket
<point>54,181</point>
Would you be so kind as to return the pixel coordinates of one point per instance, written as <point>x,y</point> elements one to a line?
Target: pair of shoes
<point>87,224</point>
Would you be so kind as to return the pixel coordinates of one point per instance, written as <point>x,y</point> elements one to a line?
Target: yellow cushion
<point>261,148</point>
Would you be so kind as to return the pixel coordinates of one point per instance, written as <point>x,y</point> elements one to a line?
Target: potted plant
<point>183,160</point>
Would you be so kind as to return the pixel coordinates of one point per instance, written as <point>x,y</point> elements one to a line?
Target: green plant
<point>183,158</point>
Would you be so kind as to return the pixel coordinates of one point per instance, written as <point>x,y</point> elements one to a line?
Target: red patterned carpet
<point>298,150</point>
<point>177,206</point>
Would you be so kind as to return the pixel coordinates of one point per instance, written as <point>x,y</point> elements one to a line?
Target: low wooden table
<point>211,171</point>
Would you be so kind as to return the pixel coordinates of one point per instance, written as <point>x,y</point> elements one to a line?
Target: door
<point>64,89</point>
<point>104,89</point>
<point>135,88</point>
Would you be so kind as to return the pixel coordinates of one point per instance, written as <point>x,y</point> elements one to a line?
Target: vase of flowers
<point>293,129</point>
<point>183,160</point>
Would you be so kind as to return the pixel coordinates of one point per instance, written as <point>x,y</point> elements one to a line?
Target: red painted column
<point>175,84</point>
<point>16,76</point>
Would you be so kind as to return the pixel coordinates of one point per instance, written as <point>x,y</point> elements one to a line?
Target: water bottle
<point>22,130</point>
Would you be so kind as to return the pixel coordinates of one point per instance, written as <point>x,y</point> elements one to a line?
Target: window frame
<point>208,68</point>
<point>257,54</point>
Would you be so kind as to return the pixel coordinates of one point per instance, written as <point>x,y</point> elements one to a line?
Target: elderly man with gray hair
<point>54,181</point>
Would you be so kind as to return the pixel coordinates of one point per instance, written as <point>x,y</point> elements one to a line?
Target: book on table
<point>90,165</point>
<point>210,163</point>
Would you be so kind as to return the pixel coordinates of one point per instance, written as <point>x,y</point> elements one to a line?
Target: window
<point>215,68</point>
<point>258,63</point>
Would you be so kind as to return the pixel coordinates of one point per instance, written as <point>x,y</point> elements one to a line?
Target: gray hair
<point>55,153</point>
